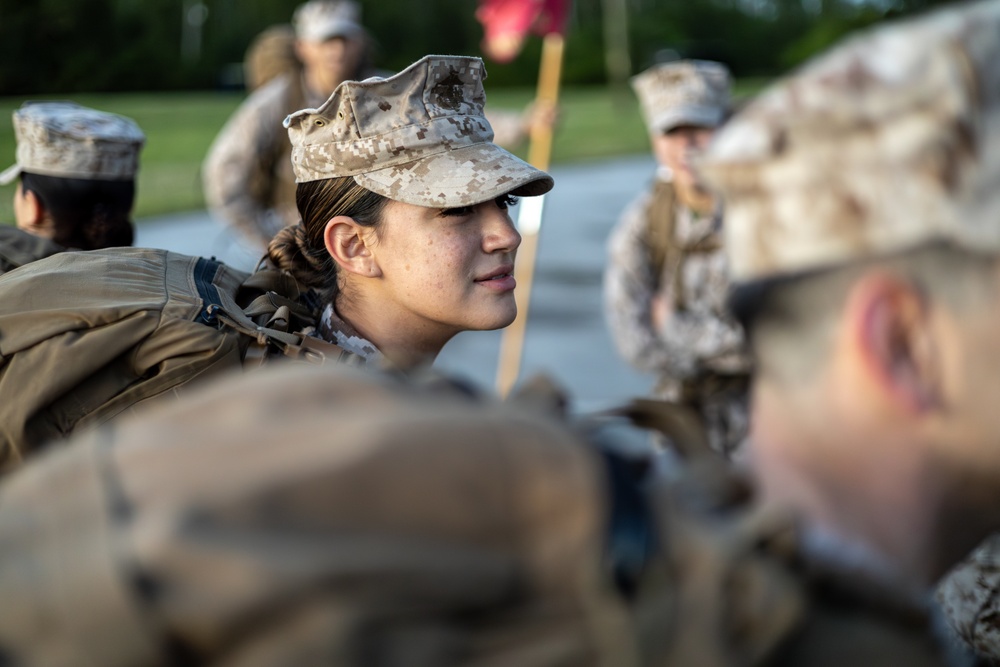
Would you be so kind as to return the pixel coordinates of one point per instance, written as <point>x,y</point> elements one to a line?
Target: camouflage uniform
<point>307,516</point>
<point>970,599</point>
<point>247,174</point>
<point>699,354</point>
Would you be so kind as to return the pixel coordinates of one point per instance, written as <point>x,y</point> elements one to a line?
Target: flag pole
<point>530,216</point>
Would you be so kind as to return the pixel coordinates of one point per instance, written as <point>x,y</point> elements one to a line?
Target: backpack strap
<point>678,423</point>
<point>661,214</point>
<point>276,319</point>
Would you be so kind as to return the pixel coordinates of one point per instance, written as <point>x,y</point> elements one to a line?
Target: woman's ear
<point>892,332</point>
<point>349,245</point>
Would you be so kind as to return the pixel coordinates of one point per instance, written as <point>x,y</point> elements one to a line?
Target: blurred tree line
<point>65,46</point>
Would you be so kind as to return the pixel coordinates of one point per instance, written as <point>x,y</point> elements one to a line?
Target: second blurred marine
<point>665,282</point>
<point>77,169</point>
<point>247,174</point>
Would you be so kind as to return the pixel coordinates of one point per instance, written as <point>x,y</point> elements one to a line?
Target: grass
<point>595,122</point>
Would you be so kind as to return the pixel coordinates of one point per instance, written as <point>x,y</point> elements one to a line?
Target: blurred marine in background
<point>665,282</point>
<point>247,174</point>
<point>76,169</point>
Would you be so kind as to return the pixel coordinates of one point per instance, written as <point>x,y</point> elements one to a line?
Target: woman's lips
<point>501,280</point>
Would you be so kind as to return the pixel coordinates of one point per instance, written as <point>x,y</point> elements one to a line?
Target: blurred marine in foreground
<point>863,229</point>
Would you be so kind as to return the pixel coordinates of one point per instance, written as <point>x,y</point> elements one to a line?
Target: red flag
<point>507,22</point>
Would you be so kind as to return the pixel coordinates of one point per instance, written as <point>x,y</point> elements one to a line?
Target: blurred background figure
<point>270,54</point>
<point>665,282</point>
<point>76,169</point>
<point>247,174</point>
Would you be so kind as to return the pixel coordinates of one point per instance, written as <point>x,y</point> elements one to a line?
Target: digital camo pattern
<point>699,341</point>
<point>889,141</point>
<point>247,175</point>
<point>687,92</point>
<point>335,330</point>
<point>419,137</point>
<point>320,20</point>
<point>969,596</point>
<point>72,141</point>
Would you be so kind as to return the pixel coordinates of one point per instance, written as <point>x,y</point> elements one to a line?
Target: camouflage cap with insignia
<point>886,143</point>
<point>686,92</point>
<point>418,137</point>
<point>320,20</point>
<point>71,141</point>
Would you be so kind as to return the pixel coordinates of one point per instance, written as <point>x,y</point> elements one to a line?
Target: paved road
<point>566,335</point>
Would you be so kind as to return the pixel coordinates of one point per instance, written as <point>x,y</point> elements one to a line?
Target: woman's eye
<point>460,211</point>
<point>506,201</point>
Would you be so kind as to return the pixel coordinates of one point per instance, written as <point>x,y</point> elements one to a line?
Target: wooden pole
<point>530,217</point>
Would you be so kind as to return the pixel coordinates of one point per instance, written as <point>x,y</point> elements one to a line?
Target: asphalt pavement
<point>566,336</point>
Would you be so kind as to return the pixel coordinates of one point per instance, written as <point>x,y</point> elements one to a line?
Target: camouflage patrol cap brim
<point>697,116</point>
<point>686,92</point>
<point>418,137</point>
<point>889,142</point>
<point>459,177</point>
<point>71,141</point>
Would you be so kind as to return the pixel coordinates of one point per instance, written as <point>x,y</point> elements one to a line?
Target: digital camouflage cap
<point>418,137</point>
<point>888,142</point>
<point>71,141</point>
<point>686,92</point>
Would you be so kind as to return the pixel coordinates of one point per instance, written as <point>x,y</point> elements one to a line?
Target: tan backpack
<point>86,336</point>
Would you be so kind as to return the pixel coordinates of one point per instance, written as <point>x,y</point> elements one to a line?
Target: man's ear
<point>891,328</point>
<point>348,244</point>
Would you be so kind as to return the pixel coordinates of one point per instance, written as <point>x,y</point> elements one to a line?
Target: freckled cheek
<point>448,271</point>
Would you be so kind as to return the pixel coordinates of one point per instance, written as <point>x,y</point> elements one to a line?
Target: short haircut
<point>790,320</point>
<point>87,214</point>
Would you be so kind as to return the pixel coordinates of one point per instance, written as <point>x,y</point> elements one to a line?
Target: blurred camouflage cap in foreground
<point>686,92</point>
<point>71,141</point>
<point>320,20</point>
<point>312,515</point>
<point>887,142</point>
<point>419,137</point>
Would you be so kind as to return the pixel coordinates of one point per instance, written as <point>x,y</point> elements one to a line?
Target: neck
<point>405,346</point>
<point>888,500</point>
<point>318,85</point>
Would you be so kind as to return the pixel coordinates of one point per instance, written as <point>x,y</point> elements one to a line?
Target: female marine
<point>405,232</point>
